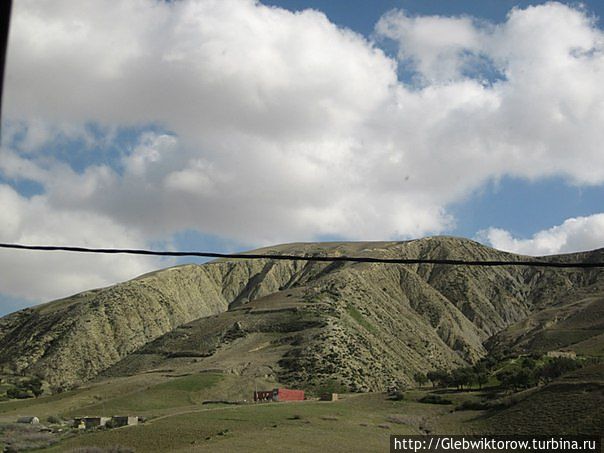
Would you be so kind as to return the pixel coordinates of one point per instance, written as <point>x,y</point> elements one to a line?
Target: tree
<point>556,368</point>
<point>517,378</point>
<point>482,379</point>
<point>34,385</point>
<point>420,378</point>
<point>529,362</point>
<point>461,377</point>
<point>439,378</point>
<point>524,378</point>
<point>432,377</point>
<point>506,378</point>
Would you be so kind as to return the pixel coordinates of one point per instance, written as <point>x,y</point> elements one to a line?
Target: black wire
<point>356,259</point>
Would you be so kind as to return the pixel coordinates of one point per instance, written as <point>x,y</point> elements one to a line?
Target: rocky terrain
<point>362,325</point>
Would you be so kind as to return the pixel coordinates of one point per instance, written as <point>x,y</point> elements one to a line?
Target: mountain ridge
<point>375,322</point>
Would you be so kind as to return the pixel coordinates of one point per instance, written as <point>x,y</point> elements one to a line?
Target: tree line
<point>526,372</point>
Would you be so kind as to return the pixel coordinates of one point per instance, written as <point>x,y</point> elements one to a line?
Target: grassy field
<point>357,423</point>
<point>179,392</point>
<point>178,420</point>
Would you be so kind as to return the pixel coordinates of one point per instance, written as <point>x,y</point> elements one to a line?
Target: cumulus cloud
<point>438,47</point>
<point>38,276</point>
<point>262,125</point>
<point>575,234</point>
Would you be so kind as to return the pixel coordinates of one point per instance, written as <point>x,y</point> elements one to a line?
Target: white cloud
<point>438,47</point>
<point>575,234</point>
<point>38,276</point>
<point>273,126</point>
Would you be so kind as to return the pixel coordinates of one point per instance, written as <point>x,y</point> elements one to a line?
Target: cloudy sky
<point>229,124</point>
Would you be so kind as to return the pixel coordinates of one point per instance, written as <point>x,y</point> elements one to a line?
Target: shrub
<point>397,396</point>
<point>18,393</point>
<point>53,419</point>
<point>557,367</point>
<point>330,386</point>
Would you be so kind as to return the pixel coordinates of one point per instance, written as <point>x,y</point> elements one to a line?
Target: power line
<point>355,259</point>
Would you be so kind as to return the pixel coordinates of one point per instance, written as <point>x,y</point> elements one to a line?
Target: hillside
<point>573,320</point>
<point>362,324</point>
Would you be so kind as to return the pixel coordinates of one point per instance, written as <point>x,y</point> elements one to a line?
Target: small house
<point>78,423</point>
<point>279,394</point>
<point>263,395</point>
<point>124,420</point>
<point>95,422</point>
<point>329,397</point>
<point>29,420</point>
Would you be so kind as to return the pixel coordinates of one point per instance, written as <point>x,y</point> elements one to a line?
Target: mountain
<point>362,325</point>
<point>573,319</point>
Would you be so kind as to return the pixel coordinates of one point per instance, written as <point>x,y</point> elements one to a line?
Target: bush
<point>397,396</point>
<point>53,419</point>
<point>330,386</point>
<point>26,389</point>
<point>434,399</point>
<point>18,393</point>
<point>557,367</point>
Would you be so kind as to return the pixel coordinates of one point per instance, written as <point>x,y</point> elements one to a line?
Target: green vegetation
<point>360,423</point>
<point>183,391</point>
<point>329,386</point>
<point>26,388</point>
<point>358,317</point>
<point>511,373</point>
<point>434,399</point>
<point>17,437</point>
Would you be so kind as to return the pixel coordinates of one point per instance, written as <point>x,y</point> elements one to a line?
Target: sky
<point>226,125</point>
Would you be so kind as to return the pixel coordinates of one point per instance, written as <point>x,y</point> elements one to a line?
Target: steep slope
<point>71,340</point>
<point>573,321</point>
<point>363,324</point>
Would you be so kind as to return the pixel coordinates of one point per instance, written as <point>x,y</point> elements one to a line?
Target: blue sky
<point>228,125</point>
<point>361,16</point>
